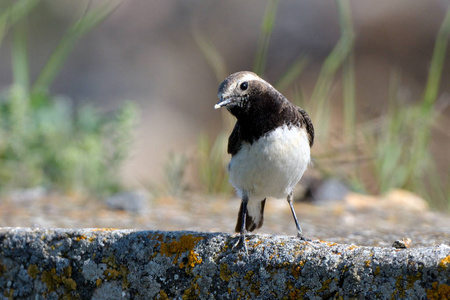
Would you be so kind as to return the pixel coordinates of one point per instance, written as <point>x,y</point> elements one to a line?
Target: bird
<point>270,147</point>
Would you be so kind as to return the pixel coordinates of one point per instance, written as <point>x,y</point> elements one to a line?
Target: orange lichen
<point>443,264</point>
<point>296,269</point>
<point>297,293</point>
<point>159,237</point>
<point>177,248</point>
<point>438,291</point>
<point>82,237</point>
<point>193,260</point>
<point>163,295</point>
<point>257,244</point>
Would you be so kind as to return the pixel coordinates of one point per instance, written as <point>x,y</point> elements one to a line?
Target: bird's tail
<point>254,217</point>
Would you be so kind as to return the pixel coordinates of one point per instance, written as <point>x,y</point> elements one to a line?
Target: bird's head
<point>243,91</point>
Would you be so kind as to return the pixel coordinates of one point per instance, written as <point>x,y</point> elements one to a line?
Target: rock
<point>133,202</point>
<point>112,264</point>
<point>401,199</point>
<point>361,201</point>
<point>394,200</point>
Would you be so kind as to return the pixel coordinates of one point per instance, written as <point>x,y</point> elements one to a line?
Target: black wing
<point>234,141</point>
<point>250,224</point>
<point>306,120</point>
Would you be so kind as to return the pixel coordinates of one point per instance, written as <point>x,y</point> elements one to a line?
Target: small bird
<point>269,146</point>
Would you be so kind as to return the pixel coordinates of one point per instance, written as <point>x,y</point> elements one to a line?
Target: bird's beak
<point>222,102</point>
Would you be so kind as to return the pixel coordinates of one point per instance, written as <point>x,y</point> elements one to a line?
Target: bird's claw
<point>241,244</point>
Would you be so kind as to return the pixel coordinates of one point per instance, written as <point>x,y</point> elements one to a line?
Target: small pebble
<point>402,243</point>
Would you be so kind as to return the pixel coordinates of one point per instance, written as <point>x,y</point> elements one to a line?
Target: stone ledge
<point>113,264</point>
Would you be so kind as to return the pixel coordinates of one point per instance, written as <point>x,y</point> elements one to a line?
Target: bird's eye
<point>244,85</point>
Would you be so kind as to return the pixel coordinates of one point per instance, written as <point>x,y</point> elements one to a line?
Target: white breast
<point>272,165</point>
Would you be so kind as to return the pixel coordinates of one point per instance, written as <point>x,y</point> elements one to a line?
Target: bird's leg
<point>290,199</point>
<point>241,242</point>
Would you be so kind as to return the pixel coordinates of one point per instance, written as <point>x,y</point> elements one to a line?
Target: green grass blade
<point>333,62</point>
<point>89,21</point>
<point>292,73</point>
<point>437,63</point>
<point>211,54</point>
<point>424,113</point>
<point>349,98</point>
<point>13,13</point>
<point>266,30</point>
<point>20,56</point>
<point>349,86</point>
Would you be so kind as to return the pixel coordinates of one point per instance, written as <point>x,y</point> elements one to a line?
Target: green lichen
<point>254,284</point>
<point>54,280</point>
<point>193,291</point>
<point>9,293</point>
<point>297,293</point>
<point>115,271</point>
<point>2,270</point>
<point>325,286</point>
<point>411,279</point>
<point>225,273</point>
<point>399,289</point>
<point>33,271</point>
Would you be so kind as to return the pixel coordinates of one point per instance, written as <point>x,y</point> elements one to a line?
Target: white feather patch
<point>272,166</point>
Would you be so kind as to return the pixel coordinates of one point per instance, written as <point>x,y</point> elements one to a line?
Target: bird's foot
<point>241,244</point>
<point>302,238</point>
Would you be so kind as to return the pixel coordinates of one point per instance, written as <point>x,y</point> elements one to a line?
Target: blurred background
<point>101,97</point>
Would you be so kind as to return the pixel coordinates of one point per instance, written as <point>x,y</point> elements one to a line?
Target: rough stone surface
<point>112,264</point>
